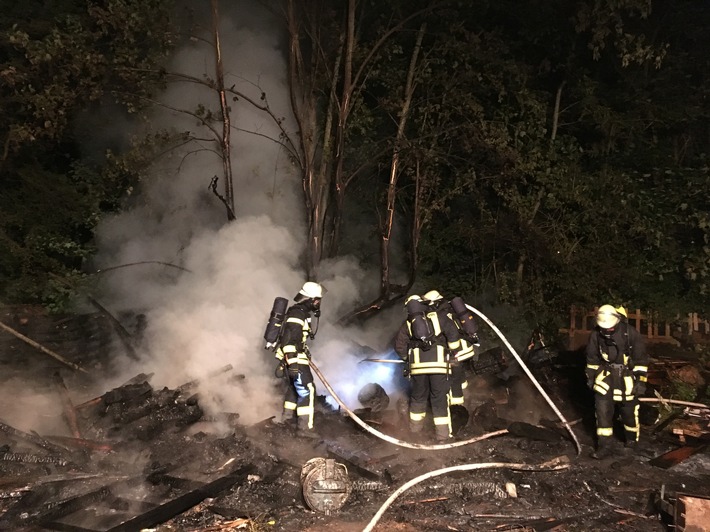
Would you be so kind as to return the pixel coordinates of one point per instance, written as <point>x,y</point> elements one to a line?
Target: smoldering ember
<point>141,456</point>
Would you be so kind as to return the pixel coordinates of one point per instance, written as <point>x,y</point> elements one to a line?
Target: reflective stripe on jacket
<point>433,359</point>
<point>616,362</point>
<point>295,332</point>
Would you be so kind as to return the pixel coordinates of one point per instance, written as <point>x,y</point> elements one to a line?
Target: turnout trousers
<point>434,389</point>
<point>458,384</point>
<point>300,396</point>
<point>605,408</point>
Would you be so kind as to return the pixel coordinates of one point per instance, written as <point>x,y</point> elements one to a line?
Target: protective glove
<point>270,345</point>
<point>475,341</point>
<point>405,371</point>
<point>590,383</point>
<point>639,388</point>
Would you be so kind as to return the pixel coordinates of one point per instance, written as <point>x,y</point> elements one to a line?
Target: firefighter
<point>617,364</point>
<point>292,353</point>
<point>426,355</point>
<point>458,382</point>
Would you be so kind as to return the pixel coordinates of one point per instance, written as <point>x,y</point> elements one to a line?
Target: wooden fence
<point>690,329</point>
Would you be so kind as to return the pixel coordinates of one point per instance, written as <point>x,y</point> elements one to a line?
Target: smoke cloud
<point>215,313</point>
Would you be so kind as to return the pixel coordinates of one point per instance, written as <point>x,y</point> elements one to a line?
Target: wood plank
<point>176,506</point>
<point>676,456</point>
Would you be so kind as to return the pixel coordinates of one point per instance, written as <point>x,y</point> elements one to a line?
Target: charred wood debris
<point>142,457</point>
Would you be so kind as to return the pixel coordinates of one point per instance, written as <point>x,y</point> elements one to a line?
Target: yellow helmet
<point>607,316</point>
<point>621,310</point>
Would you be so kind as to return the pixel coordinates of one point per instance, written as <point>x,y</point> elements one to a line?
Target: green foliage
<point>613,205</point>
<point>683,391</point>
<point>57,61</point>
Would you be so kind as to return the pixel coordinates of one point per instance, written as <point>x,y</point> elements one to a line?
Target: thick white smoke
<point>215,314</point>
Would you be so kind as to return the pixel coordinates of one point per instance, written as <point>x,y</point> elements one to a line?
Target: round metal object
<point>374,397</point>
<point>326,486</point>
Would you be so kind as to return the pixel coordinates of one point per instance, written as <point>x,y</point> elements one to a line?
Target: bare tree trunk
<point>386,296</point>
<point>225,144</point>
<point>346,95</point>
<point>323,137</point>
<point>417,222</point>
<point>523,256</point>
<point>556,112</point>
<point>394,170</point>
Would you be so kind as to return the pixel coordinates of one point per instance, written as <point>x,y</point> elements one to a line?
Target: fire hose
<point>390,439</point>
<point>463,442</point>
<point>552,465</point>
<point>530,376</point>
<point>672,402</point>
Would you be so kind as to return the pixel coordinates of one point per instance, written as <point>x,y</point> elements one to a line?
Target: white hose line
<point>672,401</point>
<point>395,441</point>
<point>553,465</point>
<point>530,376</point>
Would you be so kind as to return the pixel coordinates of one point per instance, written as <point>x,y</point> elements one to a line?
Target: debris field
<point>143,457</point>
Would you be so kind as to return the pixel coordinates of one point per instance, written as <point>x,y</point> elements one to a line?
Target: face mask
<point>607,335</point>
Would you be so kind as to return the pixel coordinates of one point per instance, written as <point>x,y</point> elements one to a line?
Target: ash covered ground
<point>143,456</point>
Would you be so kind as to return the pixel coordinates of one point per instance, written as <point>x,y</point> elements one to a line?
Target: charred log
<point>69,412</point>
<point>165,511</point>
<point>189,385</point>
<point>178,415</point>
<point>31,438</point>
<point>126,413</point>
<point>127,393</point>
<point>28,458</point>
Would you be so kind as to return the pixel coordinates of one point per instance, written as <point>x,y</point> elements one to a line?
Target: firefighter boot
<point>603,449</point>
<point>287,417</point>
<point>631,447</point>
<point>442,433</point>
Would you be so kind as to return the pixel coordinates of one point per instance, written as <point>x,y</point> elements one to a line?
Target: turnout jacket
<point>433,358</point>
<point>465,350</point>
<point>615,364</point>
<point>295,331</point>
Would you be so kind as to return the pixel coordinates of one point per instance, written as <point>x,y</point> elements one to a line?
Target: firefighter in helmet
<point>469,338</point>
<point>616,369</point>
<point>424,342</point>
<point>292,352</point>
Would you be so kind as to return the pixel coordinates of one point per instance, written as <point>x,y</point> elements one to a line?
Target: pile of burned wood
<point>114,451</point>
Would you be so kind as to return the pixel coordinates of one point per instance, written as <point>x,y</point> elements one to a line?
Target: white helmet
<point>413,297</point>
<point>607,316</point>
<point>432,295</point>
<point>312,290</point>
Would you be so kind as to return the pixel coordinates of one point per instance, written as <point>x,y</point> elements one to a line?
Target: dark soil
<point>164,451</point>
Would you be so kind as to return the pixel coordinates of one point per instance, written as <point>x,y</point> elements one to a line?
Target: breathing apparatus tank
<point>276,319</point>
<point>464,316</point>
<point>420,326</point>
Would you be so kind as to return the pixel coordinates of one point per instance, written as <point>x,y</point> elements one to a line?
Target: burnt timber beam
<point>69,411</point>
<point>358,460</point>
<point>56,510</point>
<point>676,456</point>
<point>41,348</point>
<point>184,484</point>
<point>65,527</point>
<point>176,506</point>
<point>31,438</point>
<point>188,385</point>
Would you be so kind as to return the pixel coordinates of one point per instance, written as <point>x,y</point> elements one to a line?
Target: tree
<point>328,71</point>
<point>57,61</point>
